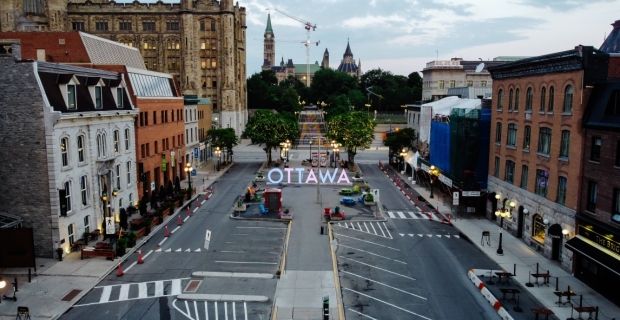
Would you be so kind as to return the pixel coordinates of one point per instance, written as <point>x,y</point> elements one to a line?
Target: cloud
<point>560,5</point>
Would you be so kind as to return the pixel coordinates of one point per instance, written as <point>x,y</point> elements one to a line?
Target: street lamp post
<point>502,213</point>
<point>188,170</point>
<point>218,152</point>
<point>433,171</point>
<point>403,154</point>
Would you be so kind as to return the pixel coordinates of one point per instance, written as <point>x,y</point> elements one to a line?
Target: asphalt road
<point>417,272</point>
<point>149,290</point>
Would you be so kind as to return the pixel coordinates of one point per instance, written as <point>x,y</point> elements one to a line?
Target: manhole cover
<point>39,293</point>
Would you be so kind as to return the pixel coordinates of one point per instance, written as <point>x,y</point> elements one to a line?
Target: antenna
<point>480,67</point>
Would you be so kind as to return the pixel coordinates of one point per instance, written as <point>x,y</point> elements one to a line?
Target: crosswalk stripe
<point>124,294</point>
<point>142,290</point>
<point>206,310</point>
<point>420,235</point>
<point>413,216</point>
<point>391,214</point>
<point>178,250</point>
<point>158,250</point>
<point>169,250</point>
<point>197,250</point>
<point>105,295</point>
<point>400,214</point>
<point>176,287</point>
<point>159,288</point>
<point>411,234</point>
<point>215,302</point>
<point>188,250</point>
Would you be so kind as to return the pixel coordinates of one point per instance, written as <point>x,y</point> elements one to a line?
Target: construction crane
<point>307,25</point>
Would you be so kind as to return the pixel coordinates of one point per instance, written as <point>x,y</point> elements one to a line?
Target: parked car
<point>347,201</point>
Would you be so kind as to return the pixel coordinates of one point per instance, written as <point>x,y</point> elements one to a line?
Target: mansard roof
<point>612,42</point>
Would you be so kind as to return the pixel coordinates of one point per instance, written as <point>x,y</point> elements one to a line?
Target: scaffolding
<point>10,221</point>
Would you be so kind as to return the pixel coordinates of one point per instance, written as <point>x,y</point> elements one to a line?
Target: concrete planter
<point>285,216</point>
<point>259,179</point>
<point>241,209</point>
<point>361,179</point>
<point>370,203</point>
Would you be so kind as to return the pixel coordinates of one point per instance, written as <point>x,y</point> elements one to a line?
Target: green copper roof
<point>268,29</point>
<point>301,68</point>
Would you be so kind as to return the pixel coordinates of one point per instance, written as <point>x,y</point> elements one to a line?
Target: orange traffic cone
<point>211,190</point>
<point>140,257</point>
<point>197,203</point>
<point>206,196</point>
<point>416,202</point>
<point>449,223</point>
<point>188,212</point>
<point>167,234</point>
<point>430,215</point>
<point>180,221</point>
<point>423,208</point>
<point>120,272</point>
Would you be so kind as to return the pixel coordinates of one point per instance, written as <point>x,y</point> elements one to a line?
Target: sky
<point>401,36</point>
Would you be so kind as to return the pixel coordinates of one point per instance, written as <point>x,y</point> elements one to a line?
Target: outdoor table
<point>545,277</point>
<point>101,245</point>
<point>566,294</point>
<point>77,245</point>
<point>505,275</point>
<point>546,312</point>
<point>95,234</point>
<point>511,291</point>
<point>589,310</point>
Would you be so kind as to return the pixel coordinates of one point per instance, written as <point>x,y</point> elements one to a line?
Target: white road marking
<point>178,250</point>
<point>225,310</point>
<point>250,227</point>
<point>383,284</point>
<point>195,209</point>
<point>400,214</point>
<point>203,201</point>
<point>366,226</point>
<point>420,235</point>
<point>131,266</point>
<point>233,251</point>
<point>124,294</point>
<point>184,220</point>
<point>175,229</point>
<point>176,287</point>
<point>438,235</point>
<point>196,310</point>
<point>187,309</point>
<point>146,255</point>
<point>142,292</point>
<point>361,314</point>
<point>206,311</point>
<point>389,304</point>
<point>401,234</point>
<point>188,250</point>
<point>411,234</point>
<point>373,229</point>
<point>388,271</point>
<point>159,288</point>
<point>245,310</point>
<point>245,262</point>
<point>105,295</point>
<point>447,236</point>
<point>215,302</point>
<point>197,250</point>
<point>342,235</point>
<point>234,311</point>
<point>388,231</point>
<point>360,226</point>
<point>374,254</point>
<point>158,250</point>
<point>457,236</point>
<point>383,233</point>
<point>413,216</point>
<point>168,250</point>
<point>161,242</point>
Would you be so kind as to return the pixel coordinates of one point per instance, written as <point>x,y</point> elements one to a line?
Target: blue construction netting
<point>483,156</point>
<point>440,146</point>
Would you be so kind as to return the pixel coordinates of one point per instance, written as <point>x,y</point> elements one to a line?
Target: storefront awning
<point>582,246</point>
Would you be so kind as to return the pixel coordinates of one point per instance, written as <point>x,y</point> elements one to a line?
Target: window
<point>538,231</point>
<point>568,100</point>
<point>173,63</point>
<point>565,144</point>
<point>119,97</point>
<point>542,181</point>
<point>80,145</point>
<point>101,148</point>
<point>516,100</point>
<point>203,63</point>
<point>543,98</point>
<point>212,26</point>
<point>117,137</point>
<point>128,172</point>
<point>527,137</point>
<point>500,99</point>
<point>561,190</point>
<point>529,97</point>
<point>124,25</point>
<point>101,25</point>
<point>120,202</point>
<point>595,153</point>
<point>544,141</point>
<point>149,44</point>
<point>615,210</point>
<point>452,83</point>
<point>613,105</point>
<point>118,176</point>
<point>131,199</point>
<point>617,163</point>
<point>483,83</point>
<point>71,233</point>
<point>592,190</point>
<point>512,135</point>
<point>509,175</point>
<point>150,63</point>
<point>551,98</point>
<point>213,63</point>
<point>84,189</point>
<point>68,195</point>
<point>71,105</point>
<point>87,224</point>
<point>202,26</point>
<point>173,44</point>
<point>127,143</point>
<point>524,173</point>
<point>498,133</point>
<point>470,83</point>
<point>64,146</point>
<point>77,25</point>
<point>496,173</point>
<point>510,95</point>
<point>148,26</point>
<point>172,25</point>
<point>98,101</point>
<point>441,84</point>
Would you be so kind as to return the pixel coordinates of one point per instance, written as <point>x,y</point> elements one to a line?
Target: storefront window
<point>538,230</point>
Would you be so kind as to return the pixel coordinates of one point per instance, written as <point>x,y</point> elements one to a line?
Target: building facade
<point>192,140</point>
<point>205,114</point>
<point>348,65</point>
<point>76,126</point>
<point>536,144</point>
<point>202,43</point>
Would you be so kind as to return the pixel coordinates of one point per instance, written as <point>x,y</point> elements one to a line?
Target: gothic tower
<point>325,62</point>
<point>269,48</point>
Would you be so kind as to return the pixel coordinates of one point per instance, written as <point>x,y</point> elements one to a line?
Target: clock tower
<point>269,46</point>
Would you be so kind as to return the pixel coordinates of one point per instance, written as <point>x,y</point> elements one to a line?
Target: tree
<point>290,101</point>
<point>269,77</point>
<point>327,82</point>
<point>399,140</point>
<point>414,80</point>
<point>271,129</point>
<point>353,130</point>
<point>224,138</point>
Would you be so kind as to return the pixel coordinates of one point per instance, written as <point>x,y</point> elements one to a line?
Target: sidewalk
<point>57,285</point>
<point>517,253</point>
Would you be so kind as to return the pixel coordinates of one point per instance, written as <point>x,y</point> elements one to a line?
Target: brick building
<point>537,143</point>
<point>202,43</point>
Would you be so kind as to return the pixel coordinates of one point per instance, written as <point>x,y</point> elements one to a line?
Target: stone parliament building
<point>202,43</point>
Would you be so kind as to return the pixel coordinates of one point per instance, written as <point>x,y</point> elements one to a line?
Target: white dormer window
<point>96,92</point>
<point>71,99</point>
<point>98,99</point>
<point>119,97</point>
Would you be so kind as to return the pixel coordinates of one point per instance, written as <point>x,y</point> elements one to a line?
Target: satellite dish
<point>480,67</point>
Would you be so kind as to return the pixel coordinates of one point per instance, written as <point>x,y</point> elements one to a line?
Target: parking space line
<point>383,284</point>
<point>342,235</point>
<point>245,310</point>
<point>373,229</point>
<point>374,254</point>
<point>206,311</point>
<point>366,226</point>
<point>245,262</point>
<point>388,231</point>
<point>361,314</point>
<point>369,265</point>
<point>389,304</point>
<point>196,310</point>
<point>383,233</point>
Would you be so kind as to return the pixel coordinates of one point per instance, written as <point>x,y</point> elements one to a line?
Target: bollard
<point>321,229</point>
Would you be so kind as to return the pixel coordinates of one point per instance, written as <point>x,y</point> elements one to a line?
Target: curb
<point>222,297</point>
<point>232,275</point>
<point>503,313</point>
<point>336,277</point>
<point>288,235</point>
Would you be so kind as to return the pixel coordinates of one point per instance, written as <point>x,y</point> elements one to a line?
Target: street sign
<point>152,186</point>
<point>196,153</point>
<point>455,198</point>
<point>109,225</point>
<point>471,193</point>
<point>193,172</point>
<point>375,194</point>
<point>207,239</point>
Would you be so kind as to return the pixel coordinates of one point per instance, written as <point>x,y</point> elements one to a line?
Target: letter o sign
<point>278,171</point>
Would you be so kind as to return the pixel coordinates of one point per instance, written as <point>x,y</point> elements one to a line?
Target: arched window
<point>538,228</point>
<point>568,99</point>
<point>517,100</point>
<point>80,145</point>
<point>510,100</point>
<point>68,195</point>
<point>84,189</point>
<point>551,99</point>
<point>127,141</point>
<point>528,99</point>
<point>500,99</point>
<point>64,151</point>
<point>117,138</point>
<point>101,148</point>
<point>543,98</point>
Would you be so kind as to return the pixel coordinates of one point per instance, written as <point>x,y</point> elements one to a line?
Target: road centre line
<point>342,235</point>
<point>131,266</point>
<point>162,241</point>
<point>185,220</point>
<point>361,314</point>
<point>148,254</point>
<point>234,251</point>
<point>389,304</point>
<point>374,254</point>
<point>175,229</point>
<point>369,265</point>
<point>195,209</point>
<point>245,262</point>
<point>383,284</point>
